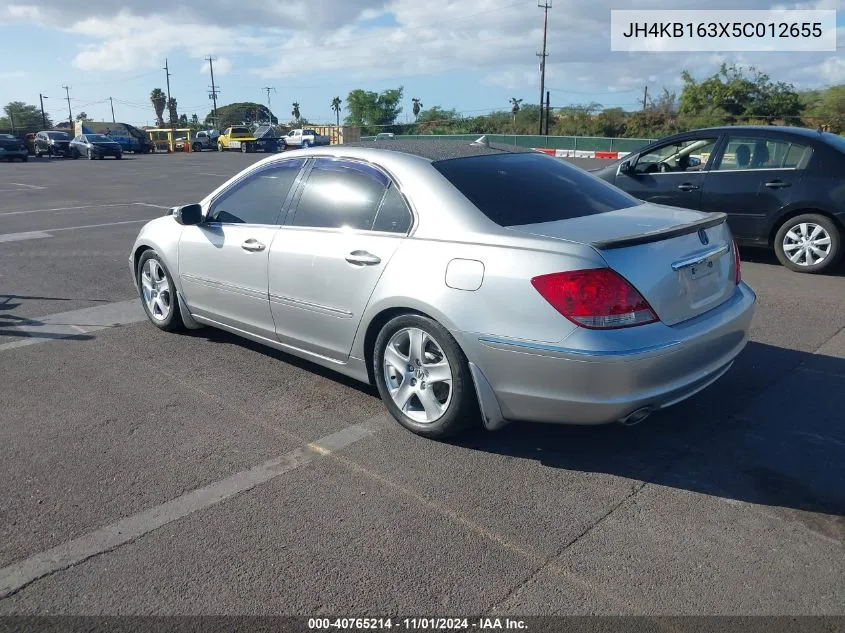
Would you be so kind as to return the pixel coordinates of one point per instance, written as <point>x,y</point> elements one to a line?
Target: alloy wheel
<point>156,290</point>
<point>418,375</point>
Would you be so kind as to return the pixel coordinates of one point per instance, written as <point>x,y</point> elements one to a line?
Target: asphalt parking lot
<point>151,473</point>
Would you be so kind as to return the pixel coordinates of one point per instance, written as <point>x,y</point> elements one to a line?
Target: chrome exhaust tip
<point>636,417</point>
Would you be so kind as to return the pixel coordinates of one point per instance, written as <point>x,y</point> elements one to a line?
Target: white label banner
<point>774,30</point>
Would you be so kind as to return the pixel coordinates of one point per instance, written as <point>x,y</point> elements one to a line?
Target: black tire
<point>90,155</point>
<point>220,147</point>
<point>173,322</point>
<point>834,254</point>
<point>462,412</point>
<point>305,144</point>
<point>196,147</point>
<point>119,156</point>
<point>75,154</point>
<point>37,153</point>
<point>24,158</point>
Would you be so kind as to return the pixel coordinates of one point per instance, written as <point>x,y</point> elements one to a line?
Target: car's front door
<point>223,261</point>
<point>752,179</point>
<point>326,260</point>
<point>669,174</point>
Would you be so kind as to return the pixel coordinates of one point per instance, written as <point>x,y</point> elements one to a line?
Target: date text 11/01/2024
<point>416,624</point>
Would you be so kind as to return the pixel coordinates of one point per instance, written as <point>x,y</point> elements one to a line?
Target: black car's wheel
<point>74,153</point>
<point>90,155</point>
<point>196,147</point>
<point>158,294</point>
<point>118,156</point>
<point>809,243</point>
<point>423,377</point>
<point>37,153</point>
<point>24,158</point>
<point>220,147</point>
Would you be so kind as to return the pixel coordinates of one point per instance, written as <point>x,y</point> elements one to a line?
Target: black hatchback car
<point>95,146</point>
<point>782,187</point>
<point>52,143</point>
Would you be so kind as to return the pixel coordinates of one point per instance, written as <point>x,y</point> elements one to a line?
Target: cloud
<point>496,39</point>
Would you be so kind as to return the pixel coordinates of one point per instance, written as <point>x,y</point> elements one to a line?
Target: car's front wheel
<point>423,377</point>
<point>808,243</point>
<point>158,293</point>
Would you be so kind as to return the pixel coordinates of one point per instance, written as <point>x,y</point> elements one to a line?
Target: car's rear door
<point>754,177</point>
<point>325,262</point>
<point>223,261</point>
<point>663,175</point>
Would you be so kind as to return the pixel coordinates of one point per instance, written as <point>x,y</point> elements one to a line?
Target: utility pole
<point>548,109</point>
<point>645,98</point>
<point>69,113</point>
<point>41,97</point>
<point>269,111</point>
<point>545,6</point>
<point>112,110</point>
<point>167,72</point>
<point>213,94</point>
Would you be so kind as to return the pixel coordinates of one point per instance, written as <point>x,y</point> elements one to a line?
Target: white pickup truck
<point>305,138</point>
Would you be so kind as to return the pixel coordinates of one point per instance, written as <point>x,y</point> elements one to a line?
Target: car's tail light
<point>598,298</point>
<point>737,264</point>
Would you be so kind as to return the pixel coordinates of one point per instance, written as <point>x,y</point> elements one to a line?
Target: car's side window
<point>393,215</point>
<point>749,152</point>
<point>341,194</point>
<point>680,156</point>
<point>258,198</point>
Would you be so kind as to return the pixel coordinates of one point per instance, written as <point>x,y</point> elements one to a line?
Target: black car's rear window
<point>530,188</point>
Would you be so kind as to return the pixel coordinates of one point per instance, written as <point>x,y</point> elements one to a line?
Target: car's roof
<point>778,129</point>
<point>437,149</point>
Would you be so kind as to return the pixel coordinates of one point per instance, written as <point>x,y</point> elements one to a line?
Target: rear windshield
<point>240,130</point>
<point>60,136</point>
<point>531,188</point>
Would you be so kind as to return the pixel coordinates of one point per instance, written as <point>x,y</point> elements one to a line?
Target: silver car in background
<point>468,283</point>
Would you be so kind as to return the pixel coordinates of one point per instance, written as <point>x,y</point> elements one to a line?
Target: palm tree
<point>159,101</point>
<point>336,107</point>
<point>174,115</point>
<point>417,107</point>
<point>515,107</point>
<point>295,112</point>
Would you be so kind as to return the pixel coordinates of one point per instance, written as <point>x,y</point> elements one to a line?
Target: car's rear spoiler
<point>710,220</point>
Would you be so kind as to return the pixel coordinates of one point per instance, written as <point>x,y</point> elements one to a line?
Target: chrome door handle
<point>687,187</point>
<point>363,258</point>
<point>253,245</point>
<point>777,184</point>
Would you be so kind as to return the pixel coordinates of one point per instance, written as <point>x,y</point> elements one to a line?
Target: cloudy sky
<point>468,55</point>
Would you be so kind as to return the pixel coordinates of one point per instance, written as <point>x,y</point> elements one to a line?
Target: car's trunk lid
<point>679,260</point>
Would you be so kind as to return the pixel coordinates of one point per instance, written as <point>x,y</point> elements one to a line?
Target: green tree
<point>22,117</point>
<point>159,101</point>
<point>195,120</point>
<point>336,108</point>
<point>826,109</point>
<point>515,107</point>
<point>242,113</point>
<point>740,95</point>
<point>82,116</point>
<point>418,105</point>
<point>172,111</point>
<point>374,112</point>
<point>295,112</point>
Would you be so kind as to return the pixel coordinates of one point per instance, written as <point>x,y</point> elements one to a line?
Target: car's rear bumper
<point>589,382</point>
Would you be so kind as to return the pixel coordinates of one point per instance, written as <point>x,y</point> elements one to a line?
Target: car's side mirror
<point>626,167</point>
<point>188,215</point>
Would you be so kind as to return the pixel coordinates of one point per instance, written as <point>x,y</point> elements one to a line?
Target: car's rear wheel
<point>305,144</point>
<point>809,243</point>
<point>423,377</point>
<point>24,158</point>
<point>158,293</point>
<point>220,147</point>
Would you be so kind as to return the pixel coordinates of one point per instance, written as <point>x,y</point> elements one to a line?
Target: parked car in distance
<point>12,148</point>
<point>52,143</point>
<point>204,139</point>
<point>781,187</point>
<point>95,146</point>
<point>384,136</point>
<point>472,284</point>
<point>305,138</point>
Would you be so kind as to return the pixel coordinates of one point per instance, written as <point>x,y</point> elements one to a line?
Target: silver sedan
<point>472,285</point>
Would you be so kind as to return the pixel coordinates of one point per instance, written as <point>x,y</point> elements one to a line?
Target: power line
<point>546,5</point>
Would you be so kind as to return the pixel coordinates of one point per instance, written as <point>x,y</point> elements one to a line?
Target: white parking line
<point>19,237</point>
<point>203,173</point>
<point>34,235</point>
<point>74,323</point>
<point>18,575</point>
<point>22,184</point>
